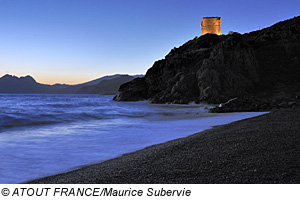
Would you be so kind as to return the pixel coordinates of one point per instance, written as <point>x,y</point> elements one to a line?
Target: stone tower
<point>211,25</point>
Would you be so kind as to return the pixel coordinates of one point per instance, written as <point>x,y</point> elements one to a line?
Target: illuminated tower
<point>211,25</point>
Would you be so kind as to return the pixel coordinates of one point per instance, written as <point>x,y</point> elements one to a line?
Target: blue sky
<point>74,41</point>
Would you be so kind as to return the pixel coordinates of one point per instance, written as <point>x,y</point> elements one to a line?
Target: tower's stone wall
<point>211,25</point>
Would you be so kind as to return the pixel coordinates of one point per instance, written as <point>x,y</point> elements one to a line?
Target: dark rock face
<point>137,90</point>
<point>230,71</point>
<point>215,68</point>
<point>284,96</point>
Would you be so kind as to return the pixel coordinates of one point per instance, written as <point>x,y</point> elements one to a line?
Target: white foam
<point>30,153</point>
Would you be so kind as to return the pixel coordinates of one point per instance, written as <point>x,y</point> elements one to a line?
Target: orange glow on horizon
<point>62,81</point>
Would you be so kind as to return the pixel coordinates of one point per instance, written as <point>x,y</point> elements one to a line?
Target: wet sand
<point>263,149</point>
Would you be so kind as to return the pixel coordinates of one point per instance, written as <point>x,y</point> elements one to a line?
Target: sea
<point>47,134</point>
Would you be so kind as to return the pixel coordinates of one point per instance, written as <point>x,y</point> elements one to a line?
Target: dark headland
<point>260,70</point>
<point>251,72</point>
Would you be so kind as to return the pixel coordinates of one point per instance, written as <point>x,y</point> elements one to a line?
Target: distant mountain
<point>106,86</point>
<point>27,84</point>
<point>13,84</point>
<point>96,81</point>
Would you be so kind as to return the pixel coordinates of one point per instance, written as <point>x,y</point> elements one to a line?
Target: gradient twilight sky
<point>74,41</point>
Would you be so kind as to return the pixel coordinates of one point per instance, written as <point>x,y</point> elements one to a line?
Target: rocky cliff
<point>215,69</point>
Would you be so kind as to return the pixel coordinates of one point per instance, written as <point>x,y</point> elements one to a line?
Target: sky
<point>75,41</point>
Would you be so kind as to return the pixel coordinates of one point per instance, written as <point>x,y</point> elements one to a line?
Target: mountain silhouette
<point>106,86</point>
<point>27,84</point>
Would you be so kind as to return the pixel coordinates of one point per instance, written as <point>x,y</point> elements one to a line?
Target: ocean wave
<point>61,105</point>
<point>92,116</point>
<point>74,104</point>
<point>27,110</point>
<point>10,121</point>
<point>17,120</point>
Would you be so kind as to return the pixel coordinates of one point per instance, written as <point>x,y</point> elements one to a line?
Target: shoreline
<point>262,149</point>
<point>69,146</point>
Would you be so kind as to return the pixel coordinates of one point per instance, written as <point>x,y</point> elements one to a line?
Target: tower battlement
<point>211,25</point>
